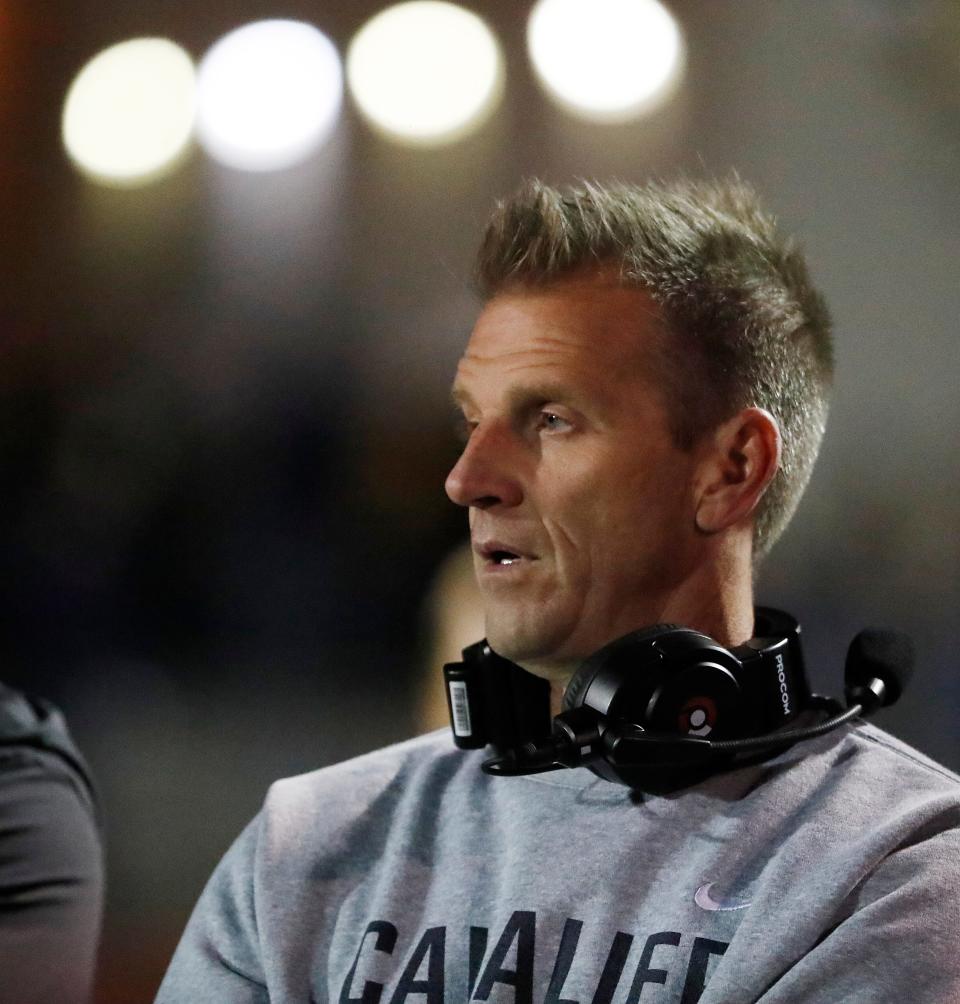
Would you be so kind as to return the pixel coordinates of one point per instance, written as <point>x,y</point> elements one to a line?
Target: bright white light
<point>609,60</point>
<point>425,72</point>
<point>128,115</point>
<point>269,95</point>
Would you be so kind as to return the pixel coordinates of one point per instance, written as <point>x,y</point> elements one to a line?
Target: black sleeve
<point>51,879</point>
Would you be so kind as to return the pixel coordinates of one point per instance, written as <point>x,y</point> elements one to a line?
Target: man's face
<point>581,508</point>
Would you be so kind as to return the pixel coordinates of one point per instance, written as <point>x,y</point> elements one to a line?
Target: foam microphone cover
<point>879,653</point>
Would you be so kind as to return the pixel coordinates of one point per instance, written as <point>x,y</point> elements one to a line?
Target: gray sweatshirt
<point>830,873</point>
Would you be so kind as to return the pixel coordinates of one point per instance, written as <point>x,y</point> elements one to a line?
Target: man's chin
<point>534,652</point>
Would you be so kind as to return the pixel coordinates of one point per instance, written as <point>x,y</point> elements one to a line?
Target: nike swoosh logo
<point>705,901</point>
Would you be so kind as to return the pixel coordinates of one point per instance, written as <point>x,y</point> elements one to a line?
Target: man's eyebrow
<point>521,395</point>
<point>459,397</point>
<point>541,392</point>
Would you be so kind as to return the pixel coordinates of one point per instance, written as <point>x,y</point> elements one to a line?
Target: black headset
<point>665,707</point>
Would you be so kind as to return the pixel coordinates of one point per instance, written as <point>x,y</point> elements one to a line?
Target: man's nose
<point>485,475</point>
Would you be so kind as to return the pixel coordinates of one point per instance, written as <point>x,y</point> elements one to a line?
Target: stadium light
<point>269,94</point>
<point>425,72</point>
<point>128,115</point>
<point>606,60</point>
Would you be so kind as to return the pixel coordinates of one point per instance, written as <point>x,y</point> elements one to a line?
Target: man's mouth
<point>504,558</point>
<point>499,555</point>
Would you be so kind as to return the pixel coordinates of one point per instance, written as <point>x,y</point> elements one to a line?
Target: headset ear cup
<point>585,675</point>
<point>702,700</point>
<point>578,684</point>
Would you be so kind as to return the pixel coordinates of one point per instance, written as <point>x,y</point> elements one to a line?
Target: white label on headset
<point>462,725</point>
<point>782,681</point>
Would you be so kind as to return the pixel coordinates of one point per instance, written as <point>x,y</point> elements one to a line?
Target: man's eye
<point>549,421</point>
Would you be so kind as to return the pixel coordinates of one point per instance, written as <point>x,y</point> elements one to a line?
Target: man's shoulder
<point>431,748</point>
<point>912,766</point>
<point>896,766</point>
<point>864,775</point>
<point>359,785</point>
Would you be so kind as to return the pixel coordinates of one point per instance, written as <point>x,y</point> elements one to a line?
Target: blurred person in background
<point>452,619</point>
<point>51,858</point>
<point>643,396</point>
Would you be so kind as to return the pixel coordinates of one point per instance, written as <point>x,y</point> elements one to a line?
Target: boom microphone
<point>877,656</point>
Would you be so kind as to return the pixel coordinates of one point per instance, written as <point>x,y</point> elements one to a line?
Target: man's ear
<point>739,460</point>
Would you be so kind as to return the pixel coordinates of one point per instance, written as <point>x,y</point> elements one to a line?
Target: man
<point>51,858</point>
<point>643,396</point>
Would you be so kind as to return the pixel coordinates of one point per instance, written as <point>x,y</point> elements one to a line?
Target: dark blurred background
<point>225,429</point>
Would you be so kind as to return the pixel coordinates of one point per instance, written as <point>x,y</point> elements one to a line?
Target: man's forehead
<point>586,325</point>
<point>517,346</point>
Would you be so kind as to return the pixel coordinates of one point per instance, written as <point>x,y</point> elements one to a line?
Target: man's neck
<point>722,609</point>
